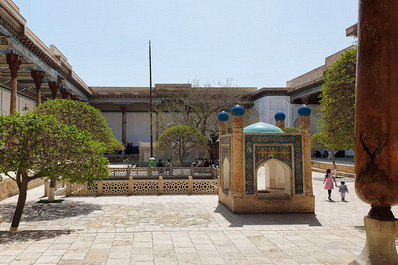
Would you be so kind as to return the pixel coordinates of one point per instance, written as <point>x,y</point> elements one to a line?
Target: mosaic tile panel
<point>255,156</point>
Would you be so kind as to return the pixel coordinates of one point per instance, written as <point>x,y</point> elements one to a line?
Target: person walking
<point>328,181</point>
<point>343,190</point>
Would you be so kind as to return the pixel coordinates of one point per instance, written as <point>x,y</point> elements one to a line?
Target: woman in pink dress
<point>329,179</point>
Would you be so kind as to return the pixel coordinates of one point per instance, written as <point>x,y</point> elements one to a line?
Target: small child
<point>343,190</point>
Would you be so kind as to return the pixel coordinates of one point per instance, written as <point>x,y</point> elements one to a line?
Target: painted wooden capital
<point>14,62</point>
<point>53,87</point>
<point>38,77</point>
<point>64,93</point>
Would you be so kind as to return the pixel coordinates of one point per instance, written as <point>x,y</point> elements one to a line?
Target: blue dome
<point>262,127</point>
<point>223,116</point>
<point>280,116</point>
<point>304,110</point>
<point>238,111</point>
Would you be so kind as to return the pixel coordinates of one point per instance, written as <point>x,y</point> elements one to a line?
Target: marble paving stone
<point>180,229</point>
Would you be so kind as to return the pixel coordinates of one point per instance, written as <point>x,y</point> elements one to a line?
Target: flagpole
<point>150,99</point>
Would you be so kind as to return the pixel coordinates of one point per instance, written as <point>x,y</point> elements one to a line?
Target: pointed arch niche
<point>274,179</point>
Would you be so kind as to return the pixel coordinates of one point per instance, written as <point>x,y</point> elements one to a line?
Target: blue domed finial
<point>223,116</point>
<point>238,111</point>
<point>304,110</point>
<point>280,116</point>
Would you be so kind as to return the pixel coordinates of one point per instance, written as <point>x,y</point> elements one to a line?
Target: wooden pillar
<point>123,109</point>
<point>53,87</point>
<point>14,62</point>
<point>64,93</point>
<point>37,76</point>
<point>376,127</point>
<point>376,124</point>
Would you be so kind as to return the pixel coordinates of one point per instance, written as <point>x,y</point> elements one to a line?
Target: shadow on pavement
<point>239,220</point>
<point>7,237</point>
<point>34,211</point>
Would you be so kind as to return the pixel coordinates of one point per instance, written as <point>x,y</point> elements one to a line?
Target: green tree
<point>181,139</point>
<point>337,104</point>
<point>33,146</point>
<point>291,130</point>
<point>200,105</point>
<point>85,118</point>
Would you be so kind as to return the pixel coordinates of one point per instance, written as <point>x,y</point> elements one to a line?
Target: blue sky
<point>260,43</point>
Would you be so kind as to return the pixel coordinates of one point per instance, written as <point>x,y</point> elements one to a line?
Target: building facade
<point>31,73</point>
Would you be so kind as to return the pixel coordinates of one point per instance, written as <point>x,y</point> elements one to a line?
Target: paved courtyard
<point>180,229</point>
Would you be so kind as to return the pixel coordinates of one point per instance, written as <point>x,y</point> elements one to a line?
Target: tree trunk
<point>334,162</point>
<point>51,191</point>
<point>23,189</point>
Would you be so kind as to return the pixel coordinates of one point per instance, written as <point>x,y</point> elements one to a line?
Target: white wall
<point>268,106</point>
<point>137,126</point>
<point>22,102</point>
<point>114,120</point>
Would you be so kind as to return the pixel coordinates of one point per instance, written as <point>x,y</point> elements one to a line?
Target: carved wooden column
<point>38,79</point>
<point>53,87</point>
<point>14,62</point>
<point>376,127</point>
<point>123,109</point>
<point>64,93</point>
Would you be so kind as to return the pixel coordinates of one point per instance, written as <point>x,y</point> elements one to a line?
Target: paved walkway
<point>180,230</point>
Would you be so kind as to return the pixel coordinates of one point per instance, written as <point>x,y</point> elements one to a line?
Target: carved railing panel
<point>204,186</point>
<point>84,189</point>
<point>146,187</point>
<point>175,186</point>
<point>115,187</point>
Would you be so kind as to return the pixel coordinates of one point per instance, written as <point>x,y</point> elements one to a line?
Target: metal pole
<point>150,99</point>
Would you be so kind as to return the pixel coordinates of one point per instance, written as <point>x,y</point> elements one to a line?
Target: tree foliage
<point>84,117</point>
<point>291,130</point>
<point>33,146</point>
<point>200,105</point>
<point>181,139</point>
<point>338,103</point>
<point>318,140</point>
